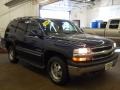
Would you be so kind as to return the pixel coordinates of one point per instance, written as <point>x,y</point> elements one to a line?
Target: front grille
<point>98,49</point>
<point>105,52</point>
<point>102,56</point>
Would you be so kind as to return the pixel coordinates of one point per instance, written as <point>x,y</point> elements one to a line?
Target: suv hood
<point>84,40</point>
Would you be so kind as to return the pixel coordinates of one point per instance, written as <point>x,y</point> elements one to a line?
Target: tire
<point>57,71</point>
<point>12,55</point>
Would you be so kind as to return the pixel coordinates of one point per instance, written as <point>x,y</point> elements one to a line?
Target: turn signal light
<point>81,59</point>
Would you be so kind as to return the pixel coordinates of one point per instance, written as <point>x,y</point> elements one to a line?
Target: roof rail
<point>27,17</point>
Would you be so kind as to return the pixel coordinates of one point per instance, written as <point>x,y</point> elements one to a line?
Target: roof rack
<point>27,17</point>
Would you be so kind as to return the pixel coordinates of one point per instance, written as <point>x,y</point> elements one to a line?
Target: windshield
<point>59,26</point>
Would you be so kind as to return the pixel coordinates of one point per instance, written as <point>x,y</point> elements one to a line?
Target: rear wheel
<point>57,70</point>
<point>12,55</point>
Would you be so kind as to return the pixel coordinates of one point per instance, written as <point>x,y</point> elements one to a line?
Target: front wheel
<point>12,55</point>
<point>57,70</point>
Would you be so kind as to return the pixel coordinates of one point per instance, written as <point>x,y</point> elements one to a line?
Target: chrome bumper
<point>81,70</point>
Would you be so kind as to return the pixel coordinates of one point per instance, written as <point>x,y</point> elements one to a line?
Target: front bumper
<point>81,68</point>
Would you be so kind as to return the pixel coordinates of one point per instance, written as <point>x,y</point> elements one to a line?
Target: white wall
<point>54,13</point>
<point>79,14</point>
<point>8,14</point>
<point>103,10</point>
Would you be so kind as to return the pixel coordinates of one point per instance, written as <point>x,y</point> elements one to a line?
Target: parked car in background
<point>111,31</point>
<point>58,46</point>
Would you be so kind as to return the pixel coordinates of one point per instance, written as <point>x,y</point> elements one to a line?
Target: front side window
<point>32,27</point>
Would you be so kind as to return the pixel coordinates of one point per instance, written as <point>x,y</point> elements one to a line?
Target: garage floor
<point>25,77</point>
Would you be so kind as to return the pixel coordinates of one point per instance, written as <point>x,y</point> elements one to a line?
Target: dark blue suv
<point>58,46</point>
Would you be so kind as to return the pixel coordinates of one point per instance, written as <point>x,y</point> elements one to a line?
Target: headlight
<point>81,54</point>
<point>114,44</point>
<point>81,51</point>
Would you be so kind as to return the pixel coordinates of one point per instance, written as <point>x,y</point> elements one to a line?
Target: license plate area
<point>108,66</point>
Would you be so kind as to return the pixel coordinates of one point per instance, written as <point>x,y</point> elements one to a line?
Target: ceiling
<point>59,4</point>
<point>67,5</point>
<point>2,6</point>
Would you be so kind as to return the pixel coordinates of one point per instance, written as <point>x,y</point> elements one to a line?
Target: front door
<point>34,44</point>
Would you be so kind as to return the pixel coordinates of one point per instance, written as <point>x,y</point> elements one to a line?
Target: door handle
<point>33,41</point>
<point>32,36</point>
<point>25,39</point>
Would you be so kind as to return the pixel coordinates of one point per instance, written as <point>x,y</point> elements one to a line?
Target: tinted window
<point>12,26</point>
<point>114,24</point>
<point>22,26</point>
<point>103,24</point>
<point>21,29</point>
<point>32,26</point>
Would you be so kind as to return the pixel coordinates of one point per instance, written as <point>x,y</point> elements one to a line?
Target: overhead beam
<point>13,3</point>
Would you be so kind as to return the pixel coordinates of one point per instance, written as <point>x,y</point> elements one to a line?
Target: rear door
<point>20,33</point>
<point>113,31</point>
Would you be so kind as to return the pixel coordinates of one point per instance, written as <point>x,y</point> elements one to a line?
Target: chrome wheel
<point>11,55</point>
<point>56,71</point>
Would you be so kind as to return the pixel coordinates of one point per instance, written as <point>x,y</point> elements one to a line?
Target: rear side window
<point>114,24</point>
<point>22,26</point>
<point>21,29</point>
<point>12,26</point>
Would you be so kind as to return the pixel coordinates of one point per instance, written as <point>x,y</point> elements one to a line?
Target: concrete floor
<point>25,77</point>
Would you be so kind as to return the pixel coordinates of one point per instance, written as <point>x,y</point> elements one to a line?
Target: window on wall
<point>54,14</point>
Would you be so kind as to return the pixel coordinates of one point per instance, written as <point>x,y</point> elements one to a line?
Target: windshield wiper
<point>69,32</point>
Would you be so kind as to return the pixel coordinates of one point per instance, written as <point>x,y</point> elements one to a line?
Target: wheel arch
<point>49,53</point>
<point>8,44</point>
